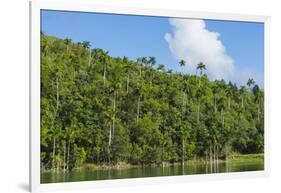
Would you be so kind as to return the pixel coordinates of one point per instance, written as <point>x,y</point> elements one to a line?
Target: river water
<point>139,172</point>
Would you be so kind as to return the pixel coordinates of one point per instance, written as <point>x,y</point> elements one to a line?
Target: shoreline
<point>234,158</point>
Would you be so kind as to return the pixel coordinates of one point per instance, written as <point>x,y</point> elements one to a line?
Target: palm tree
<point>242,91</point>
<point>182,63</point>
<point>127,66</point>
<point>152,62</point>
<point>229,95</point>
<point>86,44</point>
<point>68,42</point>
<point>97,52</point>
<point>221,106</point>
<point>201,67</point>
<point>105,59</point>
<point>184,134</point>
<point>161,67</point>
<point>250,83</point>
<point>258,98</point>
<point>144,60</point>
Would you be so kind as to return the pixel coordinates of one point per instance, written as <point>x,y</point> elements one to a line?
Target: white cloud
<point>191,41</point>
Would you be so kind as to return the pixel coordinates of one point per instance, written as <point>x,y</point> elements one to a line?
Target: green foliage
<point>102,110</point>
<point>79,156</point>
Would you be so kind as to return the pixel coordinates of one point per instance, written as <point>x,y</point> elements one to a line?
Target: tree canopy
<point>104,110</point>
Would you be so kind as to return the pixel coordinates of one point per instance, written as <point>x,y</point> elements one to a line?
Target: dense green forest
<point>109,110</point>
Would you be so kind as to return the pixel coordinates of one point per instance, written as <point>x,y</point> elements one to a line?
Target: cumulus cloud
<point>191,41</point>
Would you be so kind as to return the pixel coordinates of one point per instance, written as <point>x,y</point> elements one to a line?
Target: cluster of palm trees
<point>100,109</point>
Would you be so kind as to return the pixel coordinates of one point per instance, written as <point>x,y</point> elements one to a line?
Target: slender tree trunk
<point>213,152</point>
<point>68,151</point>
<point>217,152</point>
<point>114,111</point>
<point>90,58</point>
<point>183,103</point>
<point>258,112</point>
<point>128,80</point>
<point>138,109</point>
<point>54,152</point>
<point>183,150</point>
<point>98,157</point>
<point>57,107</point>
<point>215,159</point>
<point>93,154</point>
<point>211,157</point>
<point>229,102</point>
<point>222,117</point>
<point>64,154</point>
<point>57,84</point>
<point>162,155</point>
<point>104,74</point>
<point>198,112</point>
<point>226,156</point>
<point>215,104</point>
<point>206,162</point>
<point>109,145</point>
<point>58,164</point>
<point>109,137</point>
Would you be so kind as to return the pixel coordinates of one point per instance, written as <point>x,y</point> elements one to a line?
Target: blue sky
<point>135,36</point>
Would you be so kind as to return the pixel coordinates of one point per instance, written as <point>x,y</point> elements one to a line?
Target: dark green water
<point>89,175</point>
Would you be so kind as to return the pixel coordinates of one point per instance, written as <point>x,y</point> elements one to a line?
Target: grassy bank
<point>246,157</point>
<point>233,158</point>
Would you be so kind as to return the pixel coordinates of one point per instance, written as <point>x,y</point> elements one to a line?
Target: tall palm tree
<point>184,133</point>
<point>250,83</point>
<point>144,60</point>
<point>104,60</point>
<point>201,67</point>
<point>86,44</point>
<point>116,87</point>
<point>127,66</point>
<point>161,67</point>
<point>68,42</point>
<point>258,98</point>
<point>152,62</point>
<point>182,63</point>
<point>97,52</point>
<point>242,91</point>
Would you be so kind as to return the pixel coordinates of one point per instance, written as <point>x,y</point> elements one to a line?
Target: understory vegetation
<point>103,110</point>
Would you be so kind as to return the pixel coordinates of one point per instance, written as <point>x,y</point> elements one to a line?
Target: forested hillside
<point>104,110</point>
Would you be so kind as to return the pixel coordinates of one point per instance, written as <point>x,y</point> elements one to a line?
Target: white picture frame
<point>36,6</point>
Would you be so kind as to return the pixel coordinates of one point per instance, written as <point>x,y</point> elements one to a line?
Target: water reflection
<point>188,169</point>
